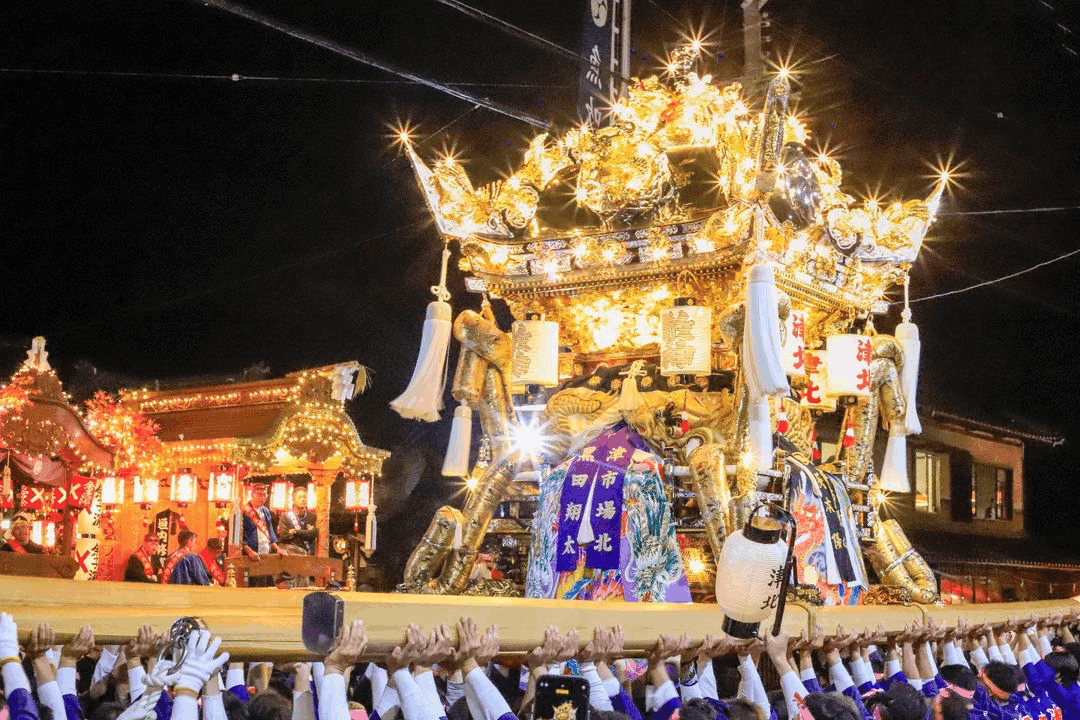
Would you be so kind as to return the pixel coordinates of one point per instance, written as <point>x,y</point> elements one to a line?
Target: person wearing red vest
<point>211,556</point>
<point>20,540</point>
<point>144,565</point>
<point>184,566</point>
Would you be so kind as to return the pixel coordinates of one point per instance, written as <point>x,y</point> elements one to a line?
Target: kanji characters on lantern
<point>794,349</point>
<point>814,395</point>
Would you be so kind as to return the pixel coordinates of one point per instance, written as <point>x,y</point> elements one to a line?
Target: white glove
<point>200,663</point>
<point>9,637</point>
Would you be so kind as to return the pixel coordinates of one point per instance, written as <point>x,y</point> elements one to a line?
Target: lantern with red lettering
<point>280,495</point>
<point>792,355</point>
<point>112,492</point>
<point>848,369</point>
<point>752,572</point>
<point>814,396</point>
<point>220,491</point>
<point>184,488</point>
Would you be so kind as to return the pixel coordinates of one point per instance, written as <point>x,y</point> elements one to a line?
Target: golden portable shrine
<point>692,290</point>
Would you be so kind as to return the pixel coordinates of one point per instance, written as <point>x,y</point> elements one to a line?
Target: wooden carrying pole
<point>264,624</point>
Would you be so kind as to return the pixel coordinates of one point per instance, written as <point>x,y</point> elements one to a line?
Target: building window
<point>991,492</point>
<point>931,484</point>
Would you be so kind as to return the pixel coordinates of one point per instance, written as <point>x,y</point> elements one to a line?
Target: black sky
<point>156,227</point>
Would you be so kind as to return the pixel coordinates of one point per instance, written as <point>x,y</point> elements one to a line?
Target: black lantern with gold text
<point>752,572</point>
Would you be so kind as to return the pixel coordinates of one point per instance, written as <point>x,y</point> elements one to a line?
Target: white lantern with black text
<point>848,370</point>
<point>535,359</point>
<point>749,575</point>
<point>686,339</point>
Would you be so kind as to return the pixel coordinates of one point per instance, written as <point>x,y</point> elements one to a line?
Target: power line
<point>1015,211</point>
<point>236,77</point>
<point>996,280</point>
<point>327,44</point>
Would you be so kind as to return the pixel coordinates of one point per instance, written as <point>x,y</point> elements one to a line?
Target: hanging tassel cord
<point>440,291</point>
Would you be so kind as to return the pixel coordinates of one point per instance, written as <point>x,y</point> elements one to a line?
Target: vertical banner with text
<point>605,44</point>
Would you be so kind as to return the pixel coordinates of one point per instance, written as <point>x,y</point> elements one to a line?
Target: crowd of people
<point>1024,669</point>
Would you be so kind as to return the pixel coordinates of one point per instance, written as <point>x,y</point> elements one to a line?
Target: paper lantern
<point>112,492</point>
<point>686,339</point>
<point>144,491</point>
<point>750,576</point>
<point>184,488</point>
<point>792,354</point>
<point>848,369</point>
<point>7,488</point>
<point>535,359</point>
<point>43,532</point>
<point>281,495</point>
<point>220,490</point>
<point>357,494</point>
<point>815,396</point>
<point>87,553</point>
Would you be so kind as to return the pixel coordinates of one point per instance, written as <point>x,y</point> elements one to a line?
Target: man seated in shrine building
<point>144,565</point>
<point>297,529</point>
<point>20,539</point>
<point>185,566</point>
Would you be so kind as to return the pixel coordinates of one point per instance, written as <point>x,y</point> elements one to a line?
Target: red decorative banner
<point>81,494</point>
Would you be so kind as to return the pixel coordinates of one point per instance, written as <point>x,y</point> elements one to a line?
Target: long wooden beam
<point>264,624</point>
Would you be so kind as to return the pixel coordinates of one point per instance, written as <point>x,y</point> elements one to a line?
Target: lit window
<point>991,493</point>
<point>931,482</point>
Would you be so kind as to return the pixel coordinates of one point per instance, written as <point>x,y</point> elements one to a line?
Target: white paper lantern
<point>848,369</point>
<point>815,396</point>
<point>87,552</point>
<point>536,352</point>
<point>686,339</point>
<point>748,576</point>
<point>793,352</point>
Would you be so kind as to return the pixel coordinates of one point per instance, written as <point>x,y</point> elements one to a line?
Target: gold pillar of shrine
<point>323,479</point>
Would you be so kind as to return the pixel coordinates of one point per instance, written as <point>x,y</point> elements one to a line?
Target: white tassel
<point>761,448</point>
<point>761,347</point>
<point>456,462</point>
<point>894,470</point>
<point>629,397</point>
<point>907,334</point>
<point>423,399</point>
<point>371,529</point>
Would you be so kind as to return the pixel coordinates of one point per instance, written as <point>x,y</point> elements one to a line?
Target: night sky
<point>160,227</point>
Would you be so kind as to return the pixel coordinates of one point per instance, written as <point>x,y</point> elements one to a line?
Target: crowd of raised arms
<point>1025,669</point>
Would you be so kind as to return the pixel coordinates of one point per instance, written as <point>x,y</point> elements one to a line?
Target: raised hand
<point>349,649</point>
<point>200,661</point>
<point>142,645</point>
<point>9,637</point>
<point>41,639</point>
<point>404,655</point>
<point>78,647</point>
<point>489,646</point>
<point>544,654</point>
<point>439,647</point>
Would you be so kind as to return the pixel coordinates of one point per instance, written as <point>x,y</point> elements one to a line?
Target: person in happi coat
<point>213,558</point>
<point>20,539</point>
<point>144,565</point>
<point>184,566</point>
<point>297,528</point>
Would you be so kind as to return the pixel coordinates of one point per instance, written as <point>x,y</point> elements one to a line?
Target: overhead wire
<point>985,283</point>
<point>236,77</point>
<point>339,49</point>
